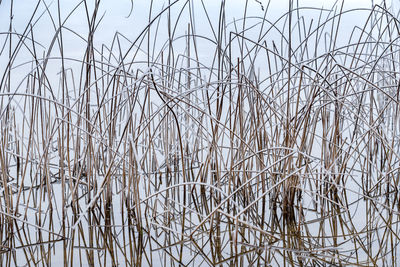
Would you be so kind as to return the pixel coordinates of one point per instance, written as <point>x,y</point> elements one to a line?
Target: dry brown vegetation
<point>265,143</point>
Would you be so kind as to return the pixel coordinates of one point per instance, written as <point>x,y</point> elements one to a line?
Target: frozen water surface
<point>199,133</point>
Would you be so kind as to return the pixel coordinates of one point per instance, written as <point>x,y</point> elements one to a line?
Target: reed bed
<point>203,141</point>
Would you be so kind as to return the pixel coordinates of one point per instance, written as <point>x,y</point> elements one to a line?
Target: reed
<point>203,141</point>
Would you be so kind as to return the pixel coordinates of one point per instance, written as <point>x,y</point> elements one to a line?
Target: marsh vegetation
<point>204,140</point>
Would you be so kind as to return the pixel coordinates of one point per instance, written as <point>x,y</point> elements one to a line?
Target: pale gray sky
<point>116,19</point>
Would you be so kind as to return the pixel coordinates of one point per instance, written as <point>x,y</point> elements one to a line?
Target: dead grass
<point>265,143</point>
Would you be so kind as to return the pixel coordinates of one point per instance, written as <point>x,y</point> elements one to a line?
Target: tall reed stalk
<point>205,140</point>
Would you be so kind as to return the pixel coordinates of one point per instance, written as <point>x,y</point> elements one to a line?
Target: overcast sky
<point>117,16</point>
